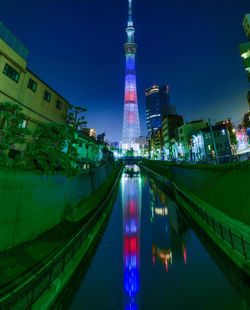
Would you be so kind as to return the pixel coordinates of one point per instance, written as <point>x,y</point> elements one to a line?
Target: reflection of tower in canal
<point>131,203</point>
<point>168,229</point>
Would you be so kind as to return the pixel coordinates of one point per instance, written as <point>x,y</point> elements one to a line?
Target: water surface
<point>152,257</point>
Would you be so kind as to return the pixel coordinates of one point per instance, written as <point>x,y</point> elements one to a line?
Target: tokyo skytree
<point>131,126</point>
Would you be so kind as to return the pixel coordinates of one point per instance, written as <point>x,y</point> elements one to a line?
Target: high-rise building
<point>157,106</point>
<point>131,126</point>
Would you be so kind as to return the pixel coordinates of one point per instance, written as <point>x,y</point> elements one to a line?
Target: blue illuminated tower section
<point>131,126</point>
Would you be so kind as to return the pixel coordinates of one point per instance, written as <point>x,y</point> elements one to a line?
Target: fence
<point>226,232</point>
<point>24,296</point>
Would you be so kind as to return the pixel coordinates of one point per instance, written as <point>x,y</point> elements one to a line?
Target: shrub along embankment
<point>225,187</point>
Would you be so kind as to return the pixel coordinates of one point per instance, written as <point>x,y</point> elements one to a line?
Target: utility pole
<point>212,134</point>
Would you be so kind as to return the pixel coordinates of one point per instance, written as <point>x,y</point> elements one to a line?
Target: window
<point>59,105</point>
<point>181,130</point>
<point>32,85</point>
<point>11,73</point>
<point>47,96</point>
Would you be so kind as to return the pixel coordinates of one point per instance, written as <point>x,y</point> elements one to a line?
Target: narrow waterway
<point>152,257</point>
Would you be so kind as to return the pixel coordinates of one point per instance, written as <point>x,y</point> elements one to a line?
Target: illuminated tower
<point>131,127</point>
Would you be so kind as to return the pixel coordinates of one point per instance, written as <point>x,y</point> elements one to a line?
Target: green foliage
<point>53,148</point>
<point>48,153</point>
<point>12,132</point>
<point>130,153</point>
<point>73,117</point>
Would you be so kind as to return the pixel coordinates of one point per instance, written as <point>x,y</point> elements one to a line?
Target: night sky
<point>77,48</point>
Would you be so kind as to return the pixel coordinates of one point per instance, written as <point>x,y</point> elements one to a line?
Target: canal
<point>151,256</point>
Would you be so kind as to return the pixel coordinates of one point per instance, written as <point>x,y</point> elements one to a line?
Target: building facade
<point>182,148</point>
<point>157,106</point>
<point>156,144</point>
<point>19,85</point>
<point>170,126</point>
<point>131,125</point>
<point>206,147</point>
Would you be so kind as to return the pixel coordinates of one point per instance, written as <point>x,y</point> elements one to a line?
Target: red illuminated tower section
<point>131,126</point>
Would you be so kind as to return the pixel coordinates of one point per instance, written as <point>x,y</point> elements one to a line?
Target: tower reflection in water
<point>131,204</point>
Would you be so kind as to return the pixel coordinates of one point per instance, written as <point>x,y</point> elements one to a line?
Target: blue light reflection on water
<point>142,265</point>
<point>131,206</point>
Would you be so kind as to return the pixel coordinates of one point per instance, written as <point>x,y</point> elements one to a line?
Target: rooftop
<point>215,128</point>
<point>8,37</point>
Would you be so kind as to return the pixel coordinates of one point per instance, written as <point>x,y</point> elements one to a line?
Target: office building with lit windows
<point>157,106</point>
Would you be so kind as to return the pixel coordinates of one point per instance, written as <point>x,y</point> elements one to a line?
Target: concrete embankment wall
<point>31,204</point>
<point>217,200</point>
<point>225,187</point>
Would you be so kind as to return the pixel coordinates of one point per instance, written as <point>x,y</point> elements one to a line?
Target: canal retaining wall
<point>31,203</point>
<point>225,187</point>
<point>230,234</point>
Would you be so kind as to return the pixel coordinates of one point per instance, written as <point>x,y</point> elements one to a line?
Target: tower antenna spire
<point>130,21</point>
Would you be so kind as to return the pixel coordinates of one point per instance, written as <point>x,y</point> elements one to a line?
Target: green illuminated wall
<point>32,203</point>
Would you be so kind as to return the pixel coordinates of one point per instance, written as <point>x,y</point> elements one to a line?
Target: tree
<point>48,151</point>
<point>12,132</point>
<point>74,118</point>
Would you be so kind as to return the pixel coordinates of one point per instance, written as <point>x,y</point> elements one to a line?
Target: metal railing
<point>25,295</point>
<point>227,232</point>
